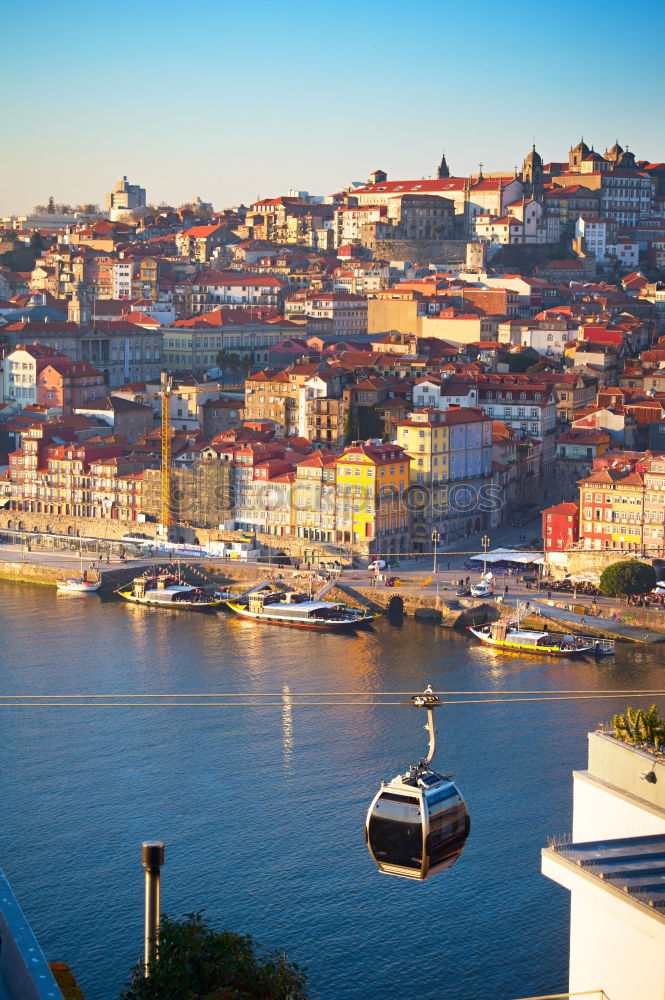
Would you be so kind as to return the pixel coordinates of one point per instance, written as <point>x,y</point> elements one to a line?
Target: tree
<point>370,423</point>
<point>197,962</point>
<point>520,361</point>
<point>36,242</point>
<point>222,360</point>
<point>87,208</point>
<point>233,362</point>
<point>630,576</point>
<point>351,426</point>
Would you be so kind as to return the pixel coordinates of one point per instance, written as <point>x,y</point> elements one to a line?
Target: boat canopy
<point>304,608</point>
<point>528,638</point>
<point>509,555</point>
<point>170,592</point>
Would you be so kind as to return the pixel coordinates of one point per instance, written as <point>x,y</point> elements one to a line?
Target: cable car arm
<point>431,729</point>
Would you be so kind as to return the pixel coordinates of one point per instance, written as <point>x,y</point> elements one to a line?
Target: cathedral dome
<point>533,158</point>
<point>581,149</point>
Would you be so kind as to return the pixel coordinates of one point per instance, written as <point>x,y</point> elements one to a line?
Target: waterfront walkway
<point>609,627</point>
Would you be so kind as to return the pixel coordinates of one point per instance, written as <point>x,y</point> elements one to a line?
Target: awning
<point>511,556</point>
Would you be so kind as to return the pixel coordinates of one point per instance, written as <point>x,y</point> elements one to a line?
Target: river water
<point>262,809</point>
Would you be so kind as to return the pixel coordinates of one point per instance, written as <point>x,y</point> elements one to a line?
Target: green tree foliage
<point>637,726</point>
<point>18,256</point>
<point>196,962</point>
<point>351,426</point>
<point>370,424</point>
<point>520,362</point>
<point>240,364</point>
<point>630,576</point>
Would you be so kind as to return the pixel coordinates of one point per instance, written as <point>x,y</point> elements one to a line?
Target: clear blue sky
<point>234,100</point>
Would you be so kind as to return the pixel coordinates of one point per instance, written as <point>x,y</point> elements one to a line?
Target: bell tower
<point>532,174</point>
<point>443,172</point>
<point>78,308</point>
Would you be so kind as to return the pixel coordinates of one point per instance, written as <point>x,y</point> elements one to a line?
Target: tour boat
<point>78,585</point>
<point>166,591</point>
<point>299,611</point>
<point>87,582</point>
<point>508,636</point>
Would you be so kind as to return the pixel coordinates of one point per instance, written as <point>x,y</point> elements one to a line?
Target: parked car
<point>377,564</point>
<point>484,588</point>
<point>463,591</point>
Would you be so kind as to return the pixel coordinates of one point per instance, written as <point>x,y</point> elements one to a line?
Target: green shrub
<point>196,962</point>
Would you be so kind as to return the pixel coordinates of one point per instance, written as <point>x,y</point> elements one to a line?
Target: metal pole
<point>485,544</point>
<point>152,857</point>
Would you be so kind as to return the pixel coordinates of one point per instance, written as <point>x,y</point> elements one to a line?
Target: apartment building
<point>371,484</point>
<point>451,467</point>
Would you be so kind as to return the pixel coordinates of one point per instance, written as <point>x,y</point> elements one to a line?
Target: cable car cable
<point>506,694</point>
<point>18,703</point>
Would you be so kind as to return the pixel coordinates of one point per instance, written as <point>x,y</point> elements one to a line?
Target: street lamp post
<point>436,538</point>
<point>485,542</point>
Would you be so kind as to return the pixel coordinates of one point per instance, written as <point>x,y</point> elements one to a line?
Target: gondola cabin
<point>417,825</point>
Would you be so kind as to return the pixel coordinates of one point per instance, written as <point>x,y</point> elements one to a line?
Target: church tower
<point>79,309</point>
<point>532,174</point>
<point>443,172</point>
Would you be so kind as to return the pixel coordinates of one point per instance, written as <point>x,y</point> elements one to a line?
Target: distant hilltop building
<point>124,198</point>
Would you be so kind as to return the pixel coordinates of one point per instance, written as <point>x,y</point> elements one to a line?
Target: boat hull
<point>317,625</point>
<point>528,649</point>
<point>77,587</point>
<point>173,605</point>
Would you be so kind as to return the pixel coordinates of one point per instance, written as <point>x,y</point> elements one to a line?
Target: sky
<point>230,100</point>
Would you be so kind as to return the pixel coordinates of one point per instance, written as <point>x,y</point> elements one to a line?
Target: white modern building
<point>614,869</point>
<point>546,338</point>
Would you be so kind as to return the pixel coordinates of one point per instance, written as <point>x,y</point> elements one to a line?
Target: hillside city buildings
<point>360,369</point>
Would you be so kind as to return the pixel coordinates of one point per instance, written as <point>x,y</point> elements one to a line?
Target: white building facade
<point>614,870</point>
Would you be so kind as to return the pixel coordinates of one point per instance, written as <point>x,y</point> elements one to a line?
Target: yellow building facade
<point>425,437</point>
<point>372,482</point>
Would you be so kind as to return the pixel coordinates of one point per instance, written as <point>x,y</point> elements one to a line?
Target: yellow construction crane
<point>165,393</point>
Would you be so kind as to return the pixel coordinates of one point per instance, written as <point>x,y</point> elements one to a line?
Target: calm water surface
<point>262,810</point>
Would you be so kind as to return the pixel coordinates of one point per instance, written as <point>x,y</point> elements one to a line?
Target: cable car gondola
<point>418,823</point>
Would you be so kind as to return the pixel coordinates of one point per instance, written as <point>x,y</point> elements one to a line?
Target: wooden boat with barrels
<point>298,611</point>
<point>507,635</point>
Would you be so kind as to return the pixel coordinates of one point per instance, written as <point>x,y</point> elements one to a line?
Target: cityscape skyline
<point>259,115</point>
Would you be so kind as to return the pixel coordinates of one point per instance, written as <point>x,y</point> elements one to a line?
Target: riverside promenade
<point>414,594</point>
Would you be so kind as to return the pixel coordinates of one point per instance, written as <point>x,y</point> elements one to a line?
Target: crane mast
<point>165,393</point>
<point>166,449</point>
